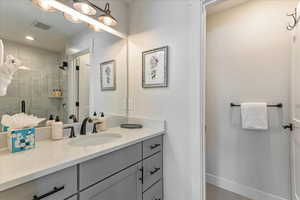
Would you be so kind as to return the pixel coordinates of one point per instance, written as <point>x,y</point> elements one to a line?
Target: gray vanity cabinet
<point>125,185</point>
<point>131,173</point>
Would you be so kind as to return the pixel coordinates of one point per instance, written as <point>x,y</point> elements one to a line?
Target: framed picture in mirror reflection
<point>108,75</point>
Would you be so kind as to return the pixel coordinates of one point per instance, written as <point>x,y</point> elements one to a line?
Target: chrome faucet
<point>83,125</point>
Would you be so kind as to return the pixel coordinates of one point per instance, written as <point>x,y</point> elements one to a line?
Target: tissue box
<point>21,140</point>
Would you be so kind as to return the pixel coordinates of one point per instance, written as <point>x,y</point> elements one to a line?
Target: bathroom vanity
<point>129,169</point>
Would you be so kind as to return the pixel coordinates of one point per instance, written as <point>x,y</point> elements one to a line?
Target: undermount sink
<point>94,140</point>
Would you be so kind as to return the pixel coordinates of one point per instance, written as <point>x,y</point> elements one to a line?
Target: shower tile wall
<point>34,86</point>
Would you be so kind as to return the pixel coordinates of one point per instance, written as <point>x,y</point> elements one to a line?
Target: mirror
<point>67,68</point>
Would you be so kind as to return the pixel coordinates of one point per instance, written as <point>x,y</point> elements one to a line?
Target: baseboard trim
<point>242,190</point>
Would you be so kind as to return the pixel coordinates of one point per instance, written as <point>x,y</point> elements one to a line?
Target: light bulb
<point>95,28</point>
<point>72,19</point>
<point>84,8</point>
<point>44,5</point>
<point>29,38</point>
<point>107,20</point>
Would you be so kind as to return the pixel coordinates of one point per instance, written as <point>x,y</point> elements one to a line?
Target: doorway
<point>248,59</point>
<point>80,95</point>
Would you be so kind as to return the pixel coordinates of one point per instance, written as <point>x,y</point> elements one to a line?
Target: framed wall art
<point>155,68</point>
<point>108,75</point>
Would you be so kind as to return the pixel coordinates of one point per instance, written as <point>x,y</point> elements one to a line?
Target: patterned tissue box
<point>21,140</point>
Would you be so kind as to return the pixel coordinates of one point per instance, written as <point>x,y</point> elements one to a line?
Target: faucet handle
<point>95,126</point>
<point>72,134</point>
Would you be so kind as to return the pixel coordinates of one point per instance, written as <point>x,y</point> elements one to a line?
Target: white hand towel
<point>254,116</point>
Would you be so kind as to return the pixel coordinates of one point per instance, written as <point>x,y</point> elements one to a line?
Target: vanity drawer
<point>153,170</point>
<point>155,192</point>
<point>152,146</point>
<point>64,181</point>
<point>100,168</point>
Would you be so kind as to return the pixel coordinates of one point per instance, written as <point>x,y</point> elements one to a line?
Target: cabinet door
<point>125,185</point>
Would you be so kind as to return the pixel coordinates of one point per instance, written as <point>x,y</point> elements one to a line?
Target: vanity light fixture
<point>28,37</point>
<point>72,19</point>
<point>44,5</point>
<point>106,18</point>
<point>85,18</point>
<point>88,8</point>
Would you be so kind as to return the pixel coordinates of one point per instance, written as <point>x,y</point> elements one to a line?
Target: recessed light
<point>29,38</point>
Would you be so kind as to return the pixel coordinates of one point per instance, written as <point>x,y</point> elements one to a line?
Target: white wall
<point>177,24</point>
<point>248,59</point>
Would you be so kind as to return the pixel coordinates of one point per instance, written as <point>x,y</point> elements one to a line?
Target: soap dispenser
<point>50,121</point>
<point>57,129</point>
<point>103,120</point>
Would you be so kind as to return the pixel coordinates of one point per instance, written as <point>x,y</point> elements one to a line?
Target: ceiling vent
<point>41,25</point>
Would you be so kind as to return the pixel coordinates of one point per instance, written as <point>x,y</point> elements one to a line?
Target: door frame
<point>204,6</point>
<point>203,67</point>
<point>75,93</point>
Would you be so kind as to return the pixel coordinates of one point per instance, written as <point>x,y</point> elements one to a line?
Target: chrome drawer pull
<point>154,146</point>
<point>156,169</point>
<point>55,190</point>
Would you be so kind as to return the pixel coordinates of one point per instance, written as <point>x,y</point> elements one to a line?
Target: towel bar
<point>279,105</point>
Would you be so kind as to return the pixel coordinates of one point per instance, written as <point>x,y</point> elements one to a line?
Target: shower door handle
<point>289,126</point>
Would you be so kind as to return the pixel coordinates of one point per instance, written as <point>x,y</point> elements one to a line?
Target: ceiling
<point>226,4</point>
<point>18,16</point>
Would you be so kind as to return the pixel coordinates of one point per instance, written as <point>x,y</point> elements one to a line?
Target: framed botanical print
<point>155,68</point>
<point>108,75</point>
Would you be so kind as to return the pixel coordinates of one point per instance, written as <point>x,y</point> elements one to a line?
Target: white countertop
<point>51,156</point>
